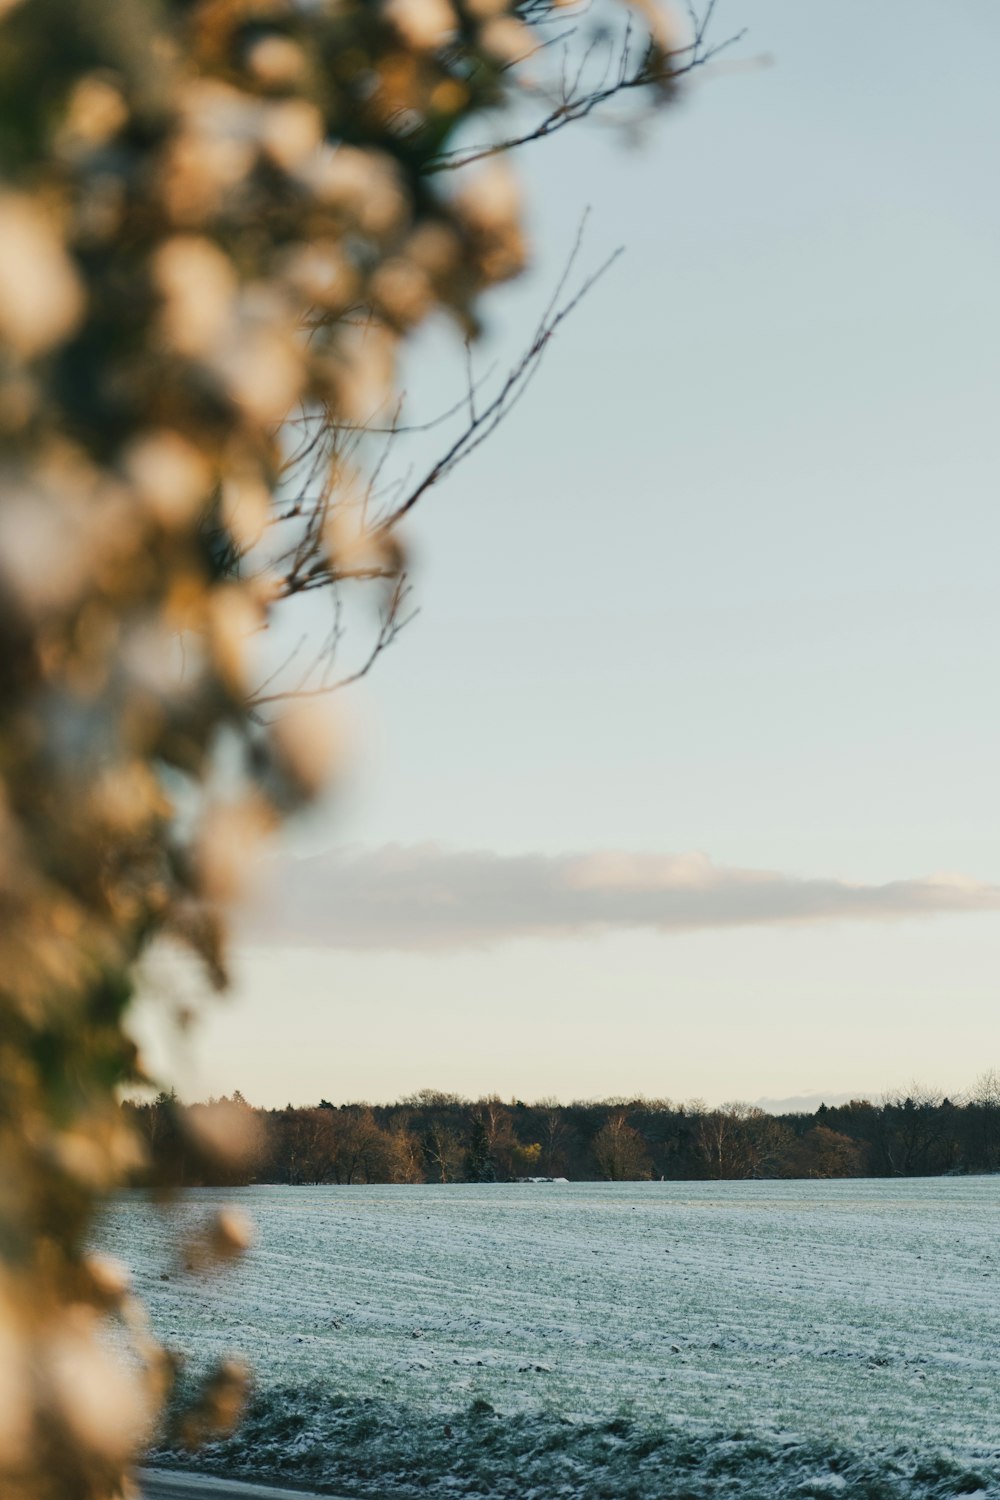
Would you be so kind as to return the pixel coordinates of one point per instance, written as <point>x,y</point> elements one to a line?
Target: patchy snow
<point>800,1338</point>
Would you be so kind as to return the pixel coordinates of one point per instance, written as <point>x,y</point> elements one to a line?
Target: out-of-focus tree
<point>220,1143</point>
<point>219,221</point>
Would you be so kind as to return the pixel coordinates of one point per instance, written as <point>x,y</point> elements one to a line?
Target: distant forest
<point>441,1138</point>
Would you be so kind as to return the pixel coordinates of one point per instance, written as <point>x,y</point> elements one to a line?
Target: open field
<point>602,1340</point>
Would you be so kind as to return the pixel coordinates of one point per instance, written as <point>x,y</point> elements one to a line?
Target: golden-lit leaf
<point>172,477</point>
<point>424,25</point>
<point>100,1402</point>
<point>309,739</point>
<point>41,294</point>
<point>198,286</point>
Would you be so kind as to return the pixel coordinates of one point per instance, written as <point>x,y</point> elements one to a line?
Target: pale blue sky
<point>726,581</point>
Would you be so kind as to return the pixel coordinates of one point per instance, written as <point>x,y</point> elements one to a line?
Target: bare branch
<point>308,564</point>
<point>576,102</point>
<point>392,621</point>
<point>485,421</point>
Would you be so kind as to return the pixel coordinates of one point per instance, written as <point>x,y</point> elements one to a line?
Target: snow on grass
<point>802,1338</point>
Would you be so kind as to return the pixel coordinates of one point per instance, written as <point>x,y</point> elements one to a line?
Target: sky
<point>683,780</point>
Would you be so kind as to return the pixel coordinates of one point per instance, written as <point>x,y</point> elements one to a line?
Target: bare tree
<point>620,1151</point>
<point>443,1153</point>
<point>740,1140</point>
<point>917,1130</point>
<point>555,1139</point>
<point>985,1099</point>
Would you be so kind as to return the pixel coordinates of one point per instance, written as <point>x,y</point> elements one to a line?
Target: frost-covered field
<point>646,1339</point>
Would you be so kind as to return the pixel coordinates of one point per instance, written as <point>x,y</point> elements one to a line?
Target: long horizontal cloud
<point>430,896</point>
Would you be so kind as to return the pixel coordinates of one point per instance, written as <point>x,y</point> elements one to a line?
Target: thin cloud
<point>808,1104</point>
<point>433,897</point>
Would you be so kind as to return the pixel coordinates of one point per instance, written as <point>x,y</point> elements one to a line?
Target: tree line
<point>437,1137</point>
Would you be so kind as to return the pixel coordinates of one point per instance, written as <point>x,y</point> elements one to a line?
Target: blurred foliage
<point>213,214</point>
